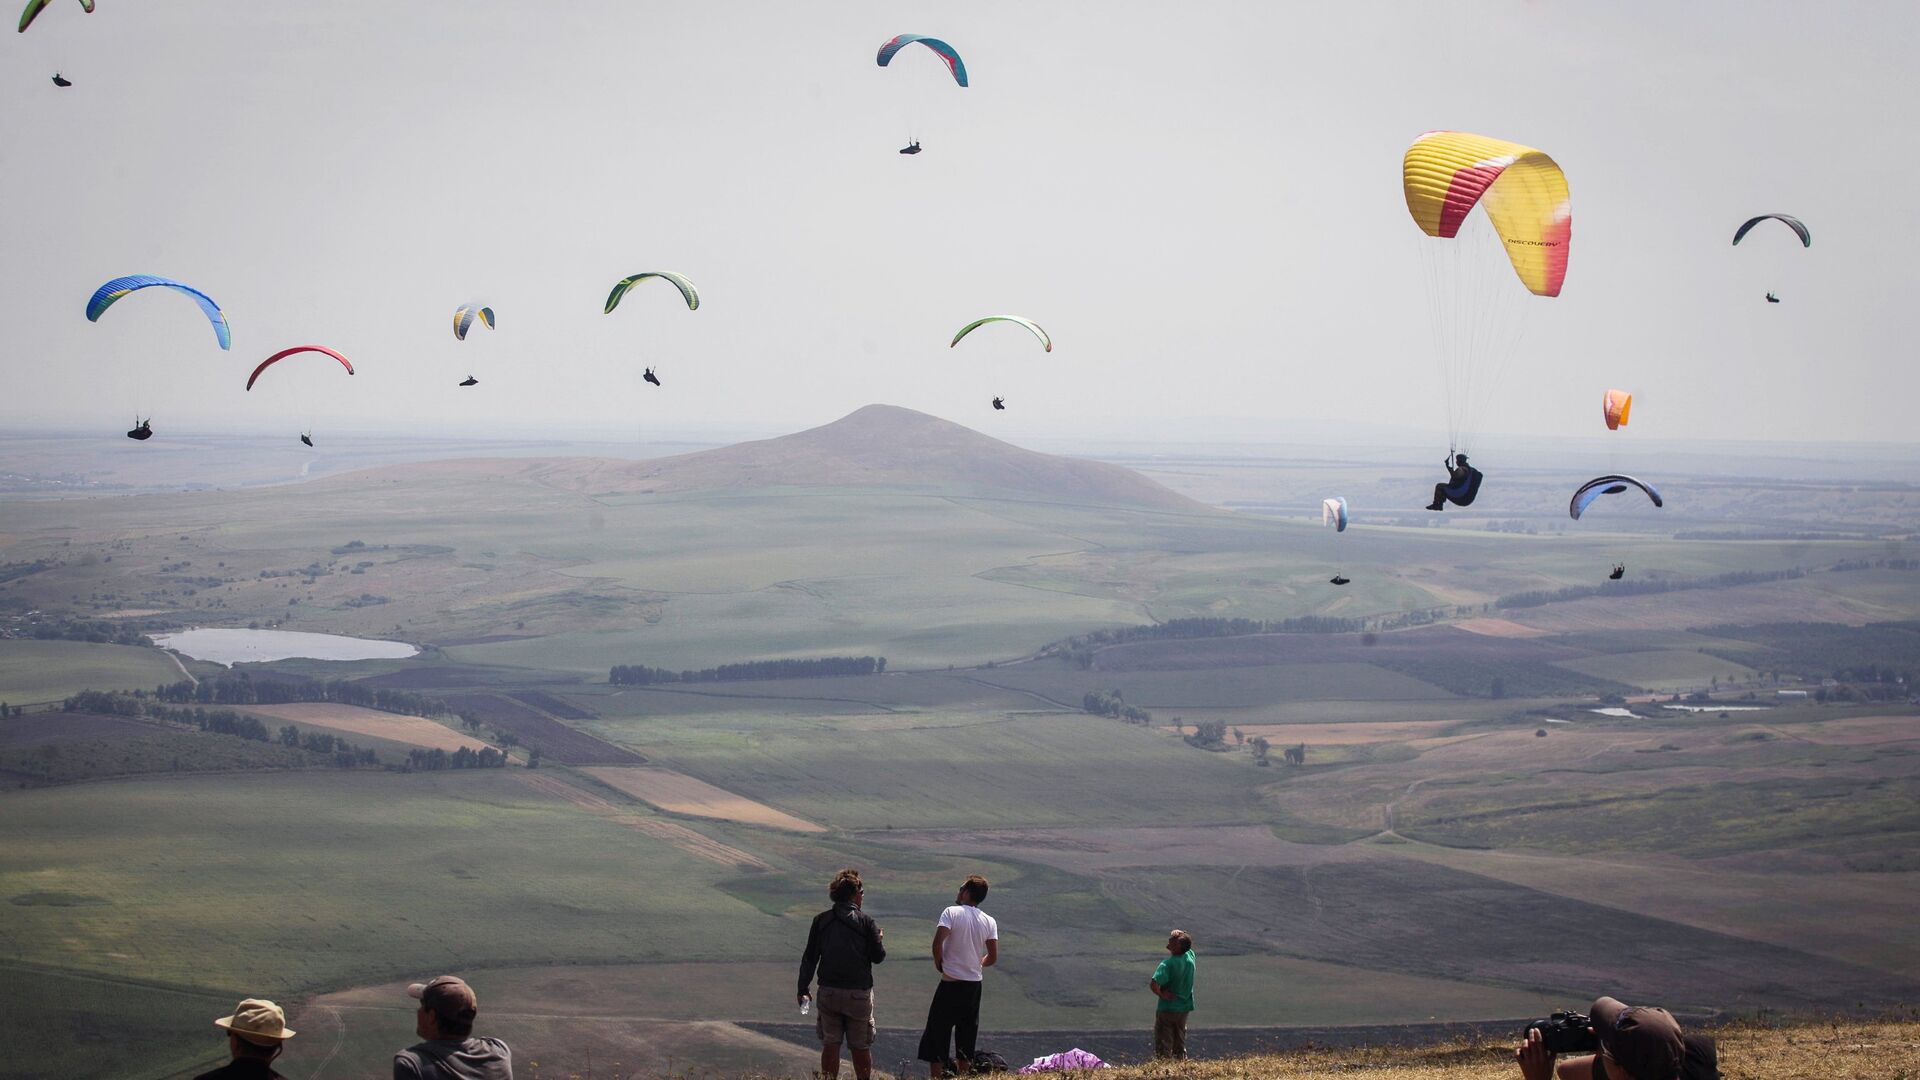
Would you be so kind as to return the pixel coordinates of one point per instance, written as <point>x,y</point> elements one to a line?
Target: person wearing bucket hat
<point>255,1033</point>
<point>450,1052</point>
<point>1637,1042</point>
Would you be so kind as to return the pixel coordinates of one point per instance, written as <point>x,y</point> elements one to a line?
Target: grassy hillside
<point>42,671</point>
<point>1838,1050</point>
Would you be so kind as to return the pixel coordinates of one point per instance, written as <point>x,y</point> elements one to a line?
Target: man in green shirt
<point>1172,983</point>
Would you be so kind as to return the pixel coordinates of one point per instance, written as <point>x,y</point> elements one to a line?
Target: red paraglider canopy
<point>284,353</point>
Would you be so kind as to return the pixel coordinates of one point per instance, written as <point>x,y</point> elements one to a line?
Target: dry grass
<point>354,720</point>
<point>1812,1051</point>
<point>1835,1050</point>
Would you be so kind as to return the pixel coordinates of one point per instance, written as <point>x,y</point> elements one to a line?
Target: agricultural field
<point>351,720</point>
<point>37,672</point>
<point>677,794</point>
<point>534,728</point>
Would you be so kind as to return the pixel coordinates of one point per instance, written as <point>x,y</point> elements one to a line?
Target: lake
<point>251,646</point>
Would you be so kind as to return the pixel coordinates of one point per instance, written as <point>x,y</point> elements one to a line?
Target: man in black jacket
<point>844,944</point>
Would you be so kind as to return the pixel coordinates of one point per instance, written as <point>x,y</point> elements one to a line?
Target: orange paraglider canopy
<point>1615,408</point>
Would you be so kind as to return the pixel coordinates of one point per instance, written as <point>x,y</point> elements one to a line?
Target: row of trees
<point>437,759</point>
<point>820,667</point>
<point>221,722</point>
<point>241,689</point>
<point>1109,704</point>
<point>1080,650</point>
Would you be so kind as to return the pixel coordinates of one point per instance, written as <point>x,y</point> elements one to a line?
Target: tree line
<point>241,689</point>
<point>821,667</point>
<point>344,754</point>
<point>1080,649</point>
<point>464,758</point>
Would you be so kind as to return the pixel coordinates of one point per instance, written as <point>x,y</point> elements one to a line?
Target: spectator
<point>965,945</point>
<point>450,1052</point>
<point>256,1032</point>
<point>1172,983</point>
<point>844,943</point>
<point>1636,1043</point>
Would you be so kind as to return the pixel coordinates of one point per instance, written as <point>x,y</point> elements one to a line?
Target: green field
<point>348,865</point>
<point>1663,669</point>
<point>47,671</point>
<point>887,772</point>
<point>87,1025</point>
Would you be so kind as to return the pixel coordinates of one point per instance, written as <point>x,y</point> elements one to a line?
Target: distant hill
<point>880,446</point>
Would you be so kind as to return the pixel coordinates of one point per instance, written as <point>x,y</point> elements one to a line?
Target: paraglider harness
<point>1461,490</point>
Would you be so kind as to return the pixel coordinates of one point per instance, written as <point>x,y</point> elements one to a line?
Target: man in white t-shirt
<point>965,945</point>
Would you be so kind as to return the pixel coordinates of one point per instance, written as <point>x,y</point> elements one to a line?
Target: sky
<point>1200,201</point>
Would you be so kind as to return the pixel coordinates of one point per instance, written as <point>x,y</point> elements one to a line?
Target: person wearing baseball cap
<point>255,1033</point>
<point>450,1052</point>
<point>1637,1042</point>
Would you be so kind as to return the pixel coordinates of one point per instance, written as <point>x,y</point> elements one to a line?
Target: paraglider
<point>651,377</point>
<point>464,315</point>
<point>1478,309</point>
<point>34,7</point>
<point>948,56</point>
<point>61,80</point>
<point>106,295</point>
<point>1000,404</point>
<point>142,431</point>
<point>1619,571</point>
<point>307,437</point>
<point>1333,512</point>
<point>1611,484</point>
<point>1615,407</point>
<point>1794,223</point>
<point>297,349</point>
<point>470,381</point>
<point>1462,486</point>
<point>687,291</point>
<point>1034,327</point>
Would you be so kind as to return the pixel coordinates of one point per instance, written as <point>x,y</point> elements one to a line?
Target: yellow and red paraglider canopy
<point>1615,407</point>
<point>1448,173</point>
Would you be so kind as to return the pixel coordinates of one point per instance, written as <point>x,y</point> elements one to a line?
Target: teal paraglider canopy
<point>947,54</point>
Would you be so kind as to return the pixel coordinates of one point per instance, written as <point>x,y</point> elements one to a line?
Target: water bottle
<point>806,1005</point>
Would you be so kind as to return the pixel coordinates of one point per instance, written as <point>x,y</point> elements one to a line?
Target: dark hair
<point>975,888</point>
<point>454,1027</point>
<point>845,886</point>
<point>247,1048</point>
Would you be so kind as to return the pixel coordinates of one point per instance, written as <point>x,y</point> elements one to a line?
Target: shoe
<point>1436,506</point>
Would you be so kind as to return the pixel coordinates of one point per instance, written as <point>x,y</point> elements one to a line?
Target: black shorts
<point>953,1017</point>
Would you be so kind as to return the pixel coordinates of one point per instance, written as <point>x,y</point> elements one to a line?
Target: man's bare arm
<point>939,950</point>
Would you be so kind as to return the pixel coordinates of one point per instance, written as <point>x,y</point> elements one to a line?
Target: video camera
<point>1566,1033</point>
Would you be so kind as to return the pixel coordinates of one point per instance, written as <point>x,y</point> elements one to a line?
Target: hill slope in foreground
<point>1835,1050</point>
<point>875,446</point>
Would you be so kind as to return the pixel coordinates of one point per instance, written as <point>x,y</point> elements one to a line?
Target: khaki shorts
<point>844,1016</point>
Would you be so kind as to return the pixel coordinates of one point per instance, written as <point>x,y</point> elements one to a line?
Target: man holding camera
<point>1635,1042</point>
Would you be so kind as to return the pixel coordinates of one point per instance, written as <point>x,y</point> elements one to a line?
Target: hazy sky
<point>1200,201</point>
